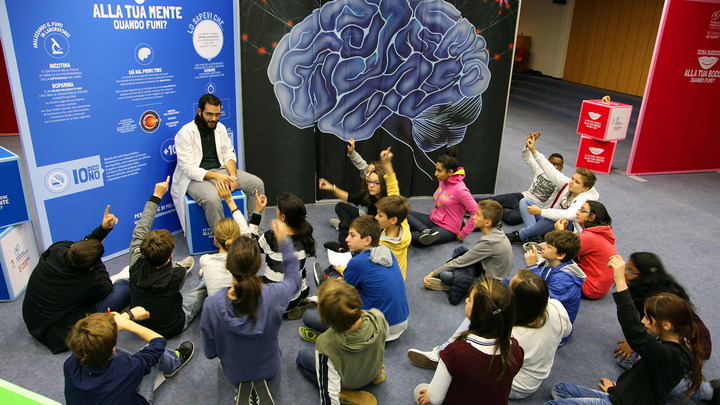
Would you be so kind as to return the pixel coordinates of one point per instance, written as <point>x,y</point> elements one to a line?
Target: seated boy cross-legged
<point>374,272</point>
<point>391,216</point>
<point>98,373</point>
<point>350,354</point>
<point>492,256</point>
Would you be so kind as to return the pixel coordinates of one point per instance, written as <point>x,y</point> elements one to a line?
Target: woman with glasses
<point>452,200</point>
<point>597,245</point>
<point>373,189</point>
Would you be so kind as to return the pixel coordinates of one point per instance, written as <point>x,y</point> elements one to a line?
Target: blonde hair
<point>226,231</point>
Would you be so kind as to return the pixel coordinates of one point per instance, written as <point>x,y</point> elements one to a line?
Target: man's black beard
<point>203,125</point>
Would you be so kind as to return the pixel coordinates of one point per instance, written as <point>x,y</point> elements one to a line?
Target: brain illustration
<point>354,65</point>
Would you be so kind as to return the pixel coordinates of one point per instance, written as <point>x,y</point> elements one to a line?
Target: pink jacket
<point>597,244</point>
<point>452,199</point>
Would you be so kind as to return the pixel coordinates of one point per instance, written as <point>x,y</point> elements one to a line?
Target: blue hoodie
<point>250,352</point>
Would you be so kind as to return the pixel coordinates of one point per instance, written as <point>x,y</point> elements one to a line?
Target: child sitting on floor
<point>98,373</point>
<point>492,256</point>
<point>349,355</point>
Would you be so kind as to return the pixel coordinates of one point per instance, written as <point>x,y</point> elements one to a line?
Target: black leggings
<point>345,213</point>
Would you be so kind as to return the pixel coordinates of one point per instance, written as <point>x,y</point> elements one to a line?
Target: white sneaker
<point>187,263</point>
<point>124,273</point>
<point>427,360</point>
<point>335,223</point>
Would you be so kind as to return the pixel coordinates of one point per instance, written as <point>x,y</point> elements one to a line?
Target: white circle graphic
<point>144,54</point>
<point>167,150</point>
<point>57,180</point>
<point>208,39</point>
<point>56,45</point>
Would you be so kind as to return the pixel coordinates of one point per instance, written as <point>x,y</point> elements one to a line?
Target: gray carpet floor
<point>674,216</point>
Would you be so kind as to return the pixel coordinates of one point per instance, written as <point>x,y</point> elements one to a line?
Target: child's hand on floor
<point>624,351</point>
<point>605,384</point>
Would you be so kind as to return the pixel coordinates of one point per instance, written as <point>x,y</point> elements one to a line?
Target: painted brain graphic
<point>351,65</point>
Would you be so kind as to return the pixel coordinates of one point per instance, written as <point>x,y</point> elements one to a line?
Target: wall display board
<point>100,91</point>
<point>678,116</point>
<point>418,76</point>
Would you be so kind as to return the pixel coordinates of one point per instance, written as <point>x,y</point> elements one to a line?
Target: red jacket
<point>597,245</point>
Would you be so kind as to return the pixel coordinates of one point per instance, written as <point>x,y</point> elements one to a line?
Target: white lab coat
<point>188,148</point>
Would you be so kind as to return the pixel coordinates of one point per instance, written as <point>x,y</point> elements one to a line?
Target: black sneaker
<point>262,394</point>
<point>335,247</point>
<point>298,311</point>
<point>318,274</point>
<point>244,393</point>
<point>514,237</point>
<point>185,352</point>
<point>428,237</point>
<point>716,391</point>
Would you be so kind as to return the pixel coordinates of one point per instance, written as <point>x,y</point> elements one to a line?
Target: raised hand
<point>109,220</point>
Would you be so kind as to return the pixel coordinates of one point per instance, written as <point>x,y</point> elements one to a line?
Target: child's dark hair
<point>157,247</point>
<point>557,155</point>
<point>492,317</point>
<point>531,296</point>
<point>600,215</point>
<point>243,262</point>
<point>394,206</point>
<point>295,213</point>
<point>565,242</point>
<point>226,231</point>
<point>588,176</point>
<point>491,210</point>
<point>652,279</point>
<point>369,198</point>
<point>83,254</point>
<point>671,308</point>
<point>449,159</point>
<point>93,338</point>
<point>367,225</point>
<point>339,304</point>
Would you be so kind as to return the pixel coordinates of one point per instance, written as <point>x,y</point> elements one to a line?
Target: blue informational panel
<point>13,206</point>
<point>100,91</point>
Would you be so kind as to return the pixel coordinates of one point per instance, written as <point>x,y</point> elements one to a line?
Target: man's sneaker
<point>335,223</point>
<point>308,334</point>
<point>514,237</point>
<point>437,284</point>
<point>428,237</point>
<point>357,397</point>
<point>335,247</point>
<point>262,393</point>
<point>245,393</point>
<point>319,274</point>
<point>380,378</point>
<point>124,273</point>
<point>427,360</point>
<point>187,263</point>
<point>185,352</point>
<point>298,311</point>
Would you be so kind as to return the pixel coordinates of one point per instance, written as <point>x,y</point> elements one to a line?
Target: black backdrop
<point>291,159</point>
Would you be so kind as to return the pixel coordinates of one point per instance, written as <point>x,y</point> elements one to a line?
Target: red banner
<point>678,128</point>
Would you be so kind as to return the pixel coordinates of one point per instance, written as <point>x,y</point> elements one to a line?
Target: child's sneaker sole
<point>357,397</point>
<point>308,334</point>
<point>437,284</point>
<point>420,359</point>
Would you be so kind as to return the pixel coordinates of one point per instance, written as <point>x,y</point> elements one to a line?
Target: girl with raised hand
<point>452,200</point>
<point>241,323</point>
<point>483,360</point>
<point>373,189</point>
<point>226,230</point>
<point>290,209</point>
<point>669,344</point>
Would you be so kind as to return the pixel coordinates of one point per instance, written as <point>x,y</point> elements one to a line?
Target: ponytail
<point>243,262</point>
<point>295,213</point>
<point>449,159</point>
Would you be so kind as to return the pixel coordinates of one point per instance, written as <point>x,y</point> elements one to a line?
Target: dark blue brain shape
<point>352,64</point>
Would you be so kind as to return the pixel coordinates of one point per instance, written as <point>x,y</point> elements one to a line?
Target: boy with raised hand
<point>574,192</point>
<point>155,281</point>
<point>97,373</point>
<point>374,271</point>
<point>563,276</point>
<point>492,255</point>
<point>392,212</point>
<point>349,355</point>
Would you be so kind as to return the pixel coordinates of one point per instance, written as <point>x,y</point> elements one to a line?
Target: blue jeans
<point>118,299</point>
<point>311,319</point>
<point>419,222</point>
<point>567,393</point>
<point>511,206</point>
<point>167,363</point>
<point>527,218</point>
<point>193,301</point>
<point>306,363</point>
